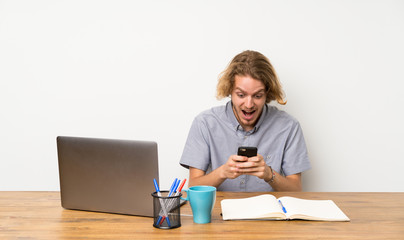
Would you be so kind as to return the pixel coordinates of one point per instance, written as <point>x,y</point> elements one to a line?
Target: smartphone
<point>247,151</point>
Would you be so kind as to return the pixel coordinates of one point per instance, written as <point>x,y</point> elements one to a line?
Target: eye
<point>258,96</point>
<point>240,95</point>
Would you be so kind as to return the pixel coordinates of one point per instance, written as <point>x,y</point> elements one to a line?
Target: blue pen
<point>173,192</point>
<point>177,191</point>
<point>172,189</point>
<point>156,186</point>
<point>283,208</point>
<point>177,183</point>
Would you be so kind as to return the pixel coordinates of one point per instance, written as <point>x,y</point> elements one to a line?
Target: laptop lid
<point>107,175</point>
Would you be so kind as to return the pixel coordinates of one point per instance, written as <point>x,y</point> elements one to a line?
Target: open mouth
<point>248,114</point>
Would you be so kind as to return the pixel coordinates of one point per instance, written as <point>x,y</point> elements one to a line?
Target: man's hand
<point>255,166</point>
<point>231,168</point>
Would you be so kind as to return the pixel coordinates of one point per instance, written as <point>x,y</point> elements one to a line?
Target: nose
<point>249,103</point>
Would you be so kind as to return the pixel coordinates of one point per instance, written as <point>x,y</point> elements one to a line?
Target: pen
<point>173,187</point>
<point>283,208</point>
<point>177,185</point>
<point>160,220</point>
<point>172,202</point>
<point>156,186</point>
<point>181,186</point>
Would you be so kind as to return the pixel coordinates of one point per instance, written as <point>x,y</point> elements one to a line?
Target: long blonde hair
<point>257,66</point>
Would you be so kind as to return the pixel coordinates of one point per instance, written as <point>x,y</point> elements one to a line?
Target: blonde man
<point>247,120</point>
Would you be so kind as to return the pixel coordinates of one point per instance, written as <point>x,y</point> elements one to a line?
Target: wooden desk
<point>38,215</point>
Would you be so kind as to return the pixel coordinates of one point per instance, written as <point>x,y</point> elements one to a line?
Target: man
<point>246,120</point>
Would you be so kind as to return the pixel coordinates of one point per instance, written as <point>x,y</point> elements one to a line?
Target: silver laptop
<point>106,175</point>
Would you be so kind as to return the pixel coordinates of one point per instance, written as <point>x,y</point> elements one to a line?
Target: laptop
<point>107,175</point>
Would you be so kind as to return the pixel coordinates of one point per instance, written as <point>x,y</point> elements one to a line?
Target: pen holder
<point>166,210</point>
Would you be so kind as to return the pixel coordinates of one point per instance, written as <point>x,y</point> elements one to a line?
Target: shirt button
<point>242,181</point>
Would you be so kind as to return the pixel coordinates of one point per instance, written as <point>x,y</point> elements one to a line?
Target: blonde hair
<point>255,65</point>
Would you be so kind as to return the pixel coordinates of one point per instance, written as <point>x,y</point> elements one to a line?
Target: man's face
<point>248,98</point>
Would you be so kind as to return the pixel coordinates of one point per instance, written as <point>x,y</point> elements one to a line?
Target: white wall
<point>144,69</point>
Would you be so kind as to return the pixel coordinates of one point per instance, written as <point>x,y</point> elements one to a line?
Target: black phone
<point>247,151</point>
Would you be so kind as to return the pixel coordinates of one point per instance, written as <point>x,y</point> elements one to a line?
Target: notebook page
<point>251,208</point>
<point>313,209</point>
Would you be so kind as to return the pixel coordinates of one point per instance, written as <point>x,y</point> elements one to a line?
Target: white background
<point>144,69</point>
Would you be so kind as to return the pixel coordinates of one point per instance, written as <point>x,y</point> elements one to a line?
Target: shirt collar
<point>234,122</point>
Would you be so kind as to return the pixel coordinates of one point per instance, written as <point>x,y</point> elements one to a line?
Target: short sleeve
<point>197,151</point>
<point>295,158</point>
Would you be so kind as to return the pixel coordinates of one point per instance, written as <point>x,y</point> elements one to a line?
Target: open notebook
<point>268,207</point>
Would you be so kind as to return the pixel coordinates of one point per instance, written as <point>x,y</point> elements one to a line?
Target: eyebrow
<point>259,91</point>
